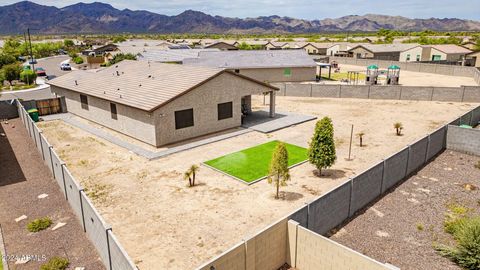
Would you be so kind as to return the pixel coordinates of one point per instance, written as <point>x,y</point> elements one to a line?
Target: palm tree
<point>398,127</point>
<point>190,175</point>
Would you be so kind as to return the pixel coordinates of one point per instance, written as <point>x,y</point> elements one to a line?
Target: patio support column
<point>272,104</point>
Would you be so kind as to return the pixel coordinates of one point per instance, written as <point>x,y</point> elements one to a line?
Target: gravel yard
<point>163,224</point>
<point>402,227</point>
<point>23,178</point>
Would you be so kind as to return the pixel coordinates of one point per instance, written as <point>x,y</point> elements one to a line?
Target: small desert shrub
<point>97,192</point>
<point>420,226</point>
<point>467,251</point>
<point>477,165</point>
<point>398,128</point>
<point>55,263</point>
<point>39,224</point>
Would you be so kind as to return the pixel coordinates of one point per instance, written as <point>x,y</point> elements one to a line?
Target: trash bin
<point>33,114</point>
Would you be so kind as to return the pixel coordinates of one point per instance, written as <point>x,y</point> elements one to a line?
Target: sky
<point>304,9</point>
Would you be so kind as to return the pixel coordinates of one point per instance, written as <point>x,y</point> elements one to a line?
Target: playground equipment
<point>352,77</point>
<point>393,75</point>
<point>372,75</point>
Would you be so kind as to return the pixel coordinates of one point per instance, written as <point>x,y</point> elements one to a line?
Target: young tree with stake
<point>321,152</point>
<point>279,173</point>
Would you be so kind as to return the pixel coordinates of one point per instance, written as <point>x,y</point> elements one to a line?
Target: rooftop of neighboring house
<point>384,48</point>
<point>451,49</point>
<point>253,59</point>
<point>140,84</point>
<point>177,55</point>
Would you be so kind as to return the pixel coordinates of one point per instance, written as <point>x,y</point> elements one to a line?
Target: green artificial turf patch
<point>252,163</point>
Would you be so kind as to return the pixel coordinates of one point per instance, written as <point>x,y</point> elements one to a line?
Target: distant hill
<point>103,18</point>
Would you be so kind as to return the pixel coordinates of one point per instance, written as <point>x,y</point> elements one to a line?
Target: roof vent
<point>118,89</point>
<point>120,96</point>
<point>104,92</point>
<point>76,83</point>
<point>118,73</point>
<point>149,76</point>
<point>139,85</point>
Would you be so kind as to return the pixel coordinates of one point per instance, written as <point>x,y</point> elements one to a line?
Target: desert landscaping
<point>164,223</point>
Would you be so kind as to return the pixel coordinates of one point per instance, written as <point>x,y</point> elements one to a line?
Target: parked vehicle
<point>40,72</point>
<point>65,66</point>
<point>32,62</point>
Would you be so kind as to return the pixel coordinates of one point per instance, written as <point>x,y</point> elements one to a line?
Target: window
<point>287,72</point>
<point>113,110</point>
<point>408,57</point>
<point>418,57</point>
<point>436,57</point>
<point>225,110</point>
<point>184,119</point>
<point>237,70</point>
<point>84,101</point>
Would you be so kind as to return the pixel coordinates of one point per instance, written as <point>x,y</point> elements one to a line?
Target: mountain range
<point>103,18</point>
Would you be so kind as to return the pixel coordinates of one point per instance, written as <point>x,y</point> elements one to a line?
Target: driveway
<point>52,65</point>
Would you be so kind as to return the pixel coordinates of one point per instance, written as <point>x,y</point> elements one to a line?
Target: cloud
<point>307,9</point>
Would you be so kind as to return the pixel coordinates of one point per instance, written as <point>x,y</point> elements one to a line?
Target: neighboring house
<point>338,49</point>
<point>475,58</point>
<point>266,66</point>
<point>260,44</point>
<point>160,103</point>
<point>273,45</point>
<point>380,51</point>
<point>447,52</point>
<point>412,55</point>
<point>222,45</point>
<point>317,48</point>
<point>470,45</point>
<point>171,56</point>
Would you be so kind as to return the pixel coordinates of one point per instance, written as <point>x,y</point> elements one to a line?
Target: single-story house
<point>222,45</point>
<point>475,58</point>
<point>160,103</point>
<point>380,51</point>
<point>414,54</point>
<point>265,65</point>
<point>339,49</point>
<point>318,48</point>
<point>446,52</point>
<point>273,45</point>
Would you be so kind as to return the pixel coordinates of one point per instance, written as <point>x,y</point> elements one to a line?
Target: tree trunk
<point>361,141</point>
<point>189,181</point>
<point>278,188</point>
<point>193,182</point>
<point>320,172</point>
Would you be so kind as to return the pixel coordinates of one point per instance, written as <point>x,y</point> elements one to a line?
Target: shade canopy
<point>372,67</point>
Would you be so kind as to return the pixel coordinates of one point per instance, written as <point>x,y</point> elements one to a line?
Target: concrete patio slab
<point>261,122</point>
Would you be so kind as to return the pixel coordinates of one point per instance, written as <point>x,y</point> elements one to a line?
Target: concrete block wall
<point>57,164</point>
<point>382,92</point>
<point>463,140</point>
<point>395,169</point>
<point>313,252</point>
<point>327,91</point>
<point>298,89</point>
<point>416,93</point>
<point>108,247</point>
<point>398,92</point>
<point>330,210</point>
<point>437,142</point>
<point>366,187</point>
<point>354,91</point>
<point>417,155</point>
<point>118,254</point>
<point>471,94</point>
<point>234,259</point>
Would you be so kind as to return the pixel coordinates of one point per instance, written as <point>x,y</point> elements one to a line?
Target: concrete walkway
<point>261,122</point>
<point>151,155</point>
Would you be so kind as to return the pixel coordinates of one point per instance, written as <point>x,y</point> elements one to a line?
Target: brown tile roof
<point>451,49</point>
<point>140,84</point>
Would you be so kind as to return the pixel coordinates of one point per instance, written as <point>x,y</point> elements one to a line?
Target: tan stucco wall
<point>437,52</point>
<point>413,54</point>
<point>204,100</point>
<point>131,121</point>
<point>318,252</point>
<point>276,74</point>
<point>311,49</point>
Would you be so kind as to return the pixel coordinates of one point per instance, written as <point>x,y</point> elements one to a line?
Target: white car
<point>65,66</point>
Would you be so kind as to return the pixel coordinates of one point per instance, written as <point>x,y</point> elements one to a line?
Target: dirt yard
<point>163,224</point>
<point>402,227</point>
<point>411,78</point>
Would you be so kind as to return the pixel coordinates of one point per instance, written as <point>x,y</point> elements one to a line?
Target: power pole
<point>25,38</point>
<point>31,54</point>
